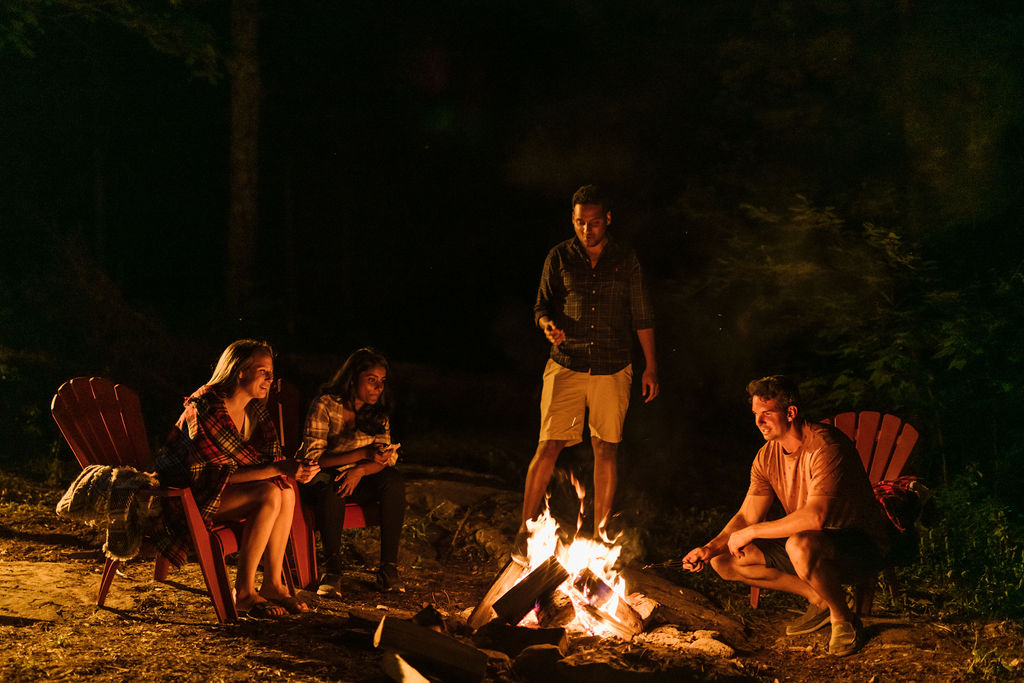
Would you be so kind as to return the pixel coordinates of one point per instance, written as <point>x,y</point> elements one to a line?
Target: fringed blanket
<point>108,497</point>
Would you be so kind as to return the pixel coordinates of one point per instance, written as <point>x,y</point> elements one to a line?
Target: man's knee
<point>604,449</point>
<point>549,449</point>
<point>725,567</point>
<point>805,550</point>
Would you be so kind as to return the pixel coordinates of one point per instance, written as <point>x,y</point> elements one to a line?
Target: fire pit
<point>574,585</point>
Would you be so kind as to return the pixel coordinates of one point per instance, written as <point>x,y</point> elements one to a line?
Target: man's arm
<point>649,380</point>
<point>543,305</point>
<point>811,517</point>
<point>752,511</point>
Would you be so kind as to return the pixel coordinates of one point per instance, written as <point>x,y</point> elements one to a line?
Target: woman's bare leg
<point>259,503</point>
<point>273,559</point>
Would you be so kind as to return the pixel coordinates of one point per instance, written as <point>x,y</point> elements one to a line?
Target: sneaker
<point>388,579</point>
<point>521,549</point>
<point>810,621</point>
<point>846,638</point>
<point>329,586</point>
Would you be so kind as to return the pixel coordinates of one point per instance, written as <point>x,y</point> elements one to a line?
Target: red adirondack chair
<point>884,442</point>
<point>103,424</point>
<point>284,406</point>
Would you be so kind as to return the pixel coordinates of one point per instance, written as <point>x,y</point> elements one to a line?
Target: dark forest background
<point>825,188</point>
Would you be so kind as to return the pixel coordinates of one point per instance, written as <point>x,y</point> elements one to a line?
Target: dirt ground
<point>453,544</point>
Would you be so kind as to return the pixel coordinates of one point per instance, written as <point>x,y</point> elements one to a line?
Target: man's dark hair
<point>591,194</point>
<point>779,387</point>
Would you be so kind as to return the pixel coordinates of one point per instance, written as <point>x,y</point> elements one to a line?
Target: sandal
<point>293,605</point>
<point>264,609</point>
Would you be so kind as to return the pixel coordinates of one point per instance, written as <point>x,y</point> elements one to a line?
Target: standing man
<point>832,530</point>
<point>591,300</point>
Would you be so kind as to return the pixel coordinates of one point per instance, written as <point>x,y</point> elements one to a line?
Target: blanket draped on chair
<point>108,497</point>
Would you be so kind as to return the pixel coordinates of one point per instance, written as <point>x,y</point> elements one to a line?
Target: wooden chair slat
<point>110,413</point>
<point>284,405</point>
<point>867,431</point>
<point>901,453</point>
<point>888,430</point>
<point>86,419</point>
<point>847,424</point>
<point>62,414</point>
<point>135,428</point>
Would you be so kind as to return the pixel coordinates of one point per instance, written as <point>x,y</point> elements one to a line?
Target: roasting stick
<point>690,566</point>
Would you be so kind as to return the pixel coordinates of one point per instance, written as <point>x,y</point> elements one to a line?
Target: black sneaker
<point>388,579</point>
<point>329,586</point>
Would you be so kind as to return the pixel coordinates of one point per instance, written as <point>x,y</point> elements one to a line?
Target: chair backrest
<point>283,405</point>
<point>883,441</point>
<point>102,422</point>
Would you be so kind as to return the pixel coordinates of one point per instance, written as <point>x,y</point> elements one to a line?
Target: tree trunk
<point>243,217</point>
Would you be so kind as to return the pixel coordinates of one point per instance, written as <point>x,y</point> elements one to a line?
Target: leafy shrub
<point>972,557</point>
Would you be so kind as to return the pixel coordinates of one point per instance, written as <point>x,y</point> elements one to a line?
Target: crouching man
<point>832,531</point>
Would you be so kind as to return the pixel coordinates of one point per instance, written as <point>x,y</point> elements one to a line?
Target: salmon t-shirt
<point>826,464</point>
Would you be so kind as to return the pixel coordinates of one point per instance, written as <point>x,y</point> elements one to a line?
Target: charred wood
<point>514,639</point>
<point>554,609</point>
<point>505,579</point>
<point>430,651</point>
<point>517,602</point>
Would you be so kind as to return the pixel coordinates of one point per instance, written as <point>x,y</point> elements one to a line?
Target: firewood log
<point>514,639</point>
<point>555,609</point>
<point>431,651</point>
<point>505,579</point>
<point>400,670</point>
<point>517,602</point>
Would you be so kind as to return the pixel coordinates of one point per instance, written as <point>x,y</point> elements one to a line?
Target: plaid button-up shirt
<point>202,452</point>
<point>326,433</point>
<point>598,308</point>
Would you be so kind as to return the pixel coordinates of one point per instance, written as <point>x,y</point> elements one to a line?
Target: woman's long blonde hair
<point>238,357</point>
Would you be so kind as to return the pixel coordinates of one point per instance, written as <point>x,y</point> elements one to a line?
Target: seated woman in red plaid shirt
<point>225,448</point>
<point>348,433</point>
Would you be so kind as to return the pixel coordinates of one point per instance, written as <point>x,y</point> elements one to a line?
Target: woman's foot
<point>279,595</point>
<point>292,604</point>
<point>260,608</point>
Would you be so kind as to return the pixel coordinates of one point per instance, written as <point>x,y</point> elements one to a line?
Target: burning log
<point>592,588</point>
<point>517,602</point>
<point>514,639</point>
<point>625,622</point>
<point>429,650</point>
<point>506,578</point>
<point>555,608</point>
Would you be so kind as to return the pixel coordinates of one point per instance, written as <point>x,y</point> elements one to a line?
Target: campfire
<point>568,606</point>
<point>571,584</point>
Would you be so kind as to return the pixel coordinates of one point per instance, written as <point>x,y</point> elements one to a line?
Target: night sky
<point>417,161</point>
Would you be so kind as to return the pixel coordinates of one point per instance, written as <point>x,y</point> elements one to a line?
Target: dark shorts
<point>854,552</point>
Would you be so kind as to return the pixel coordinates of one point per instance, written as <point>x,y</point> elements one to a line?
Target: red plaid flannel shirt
<point>202,452</point>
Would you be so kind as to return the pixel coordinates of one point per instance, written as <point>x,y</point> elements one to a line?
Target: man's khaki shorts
<point>566,396</point>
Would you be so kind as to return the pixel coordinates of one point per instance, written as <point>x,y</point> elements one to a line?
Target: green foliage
<point>972,557</point>
<point>172,27</point>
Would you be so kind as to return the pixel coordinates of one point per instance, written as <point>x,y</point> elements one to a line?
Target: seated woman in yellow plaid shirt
<point>348,434</point>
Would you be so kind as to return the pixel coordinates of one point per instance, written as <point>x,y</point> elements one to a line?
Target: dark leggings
<point>387,486</point>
